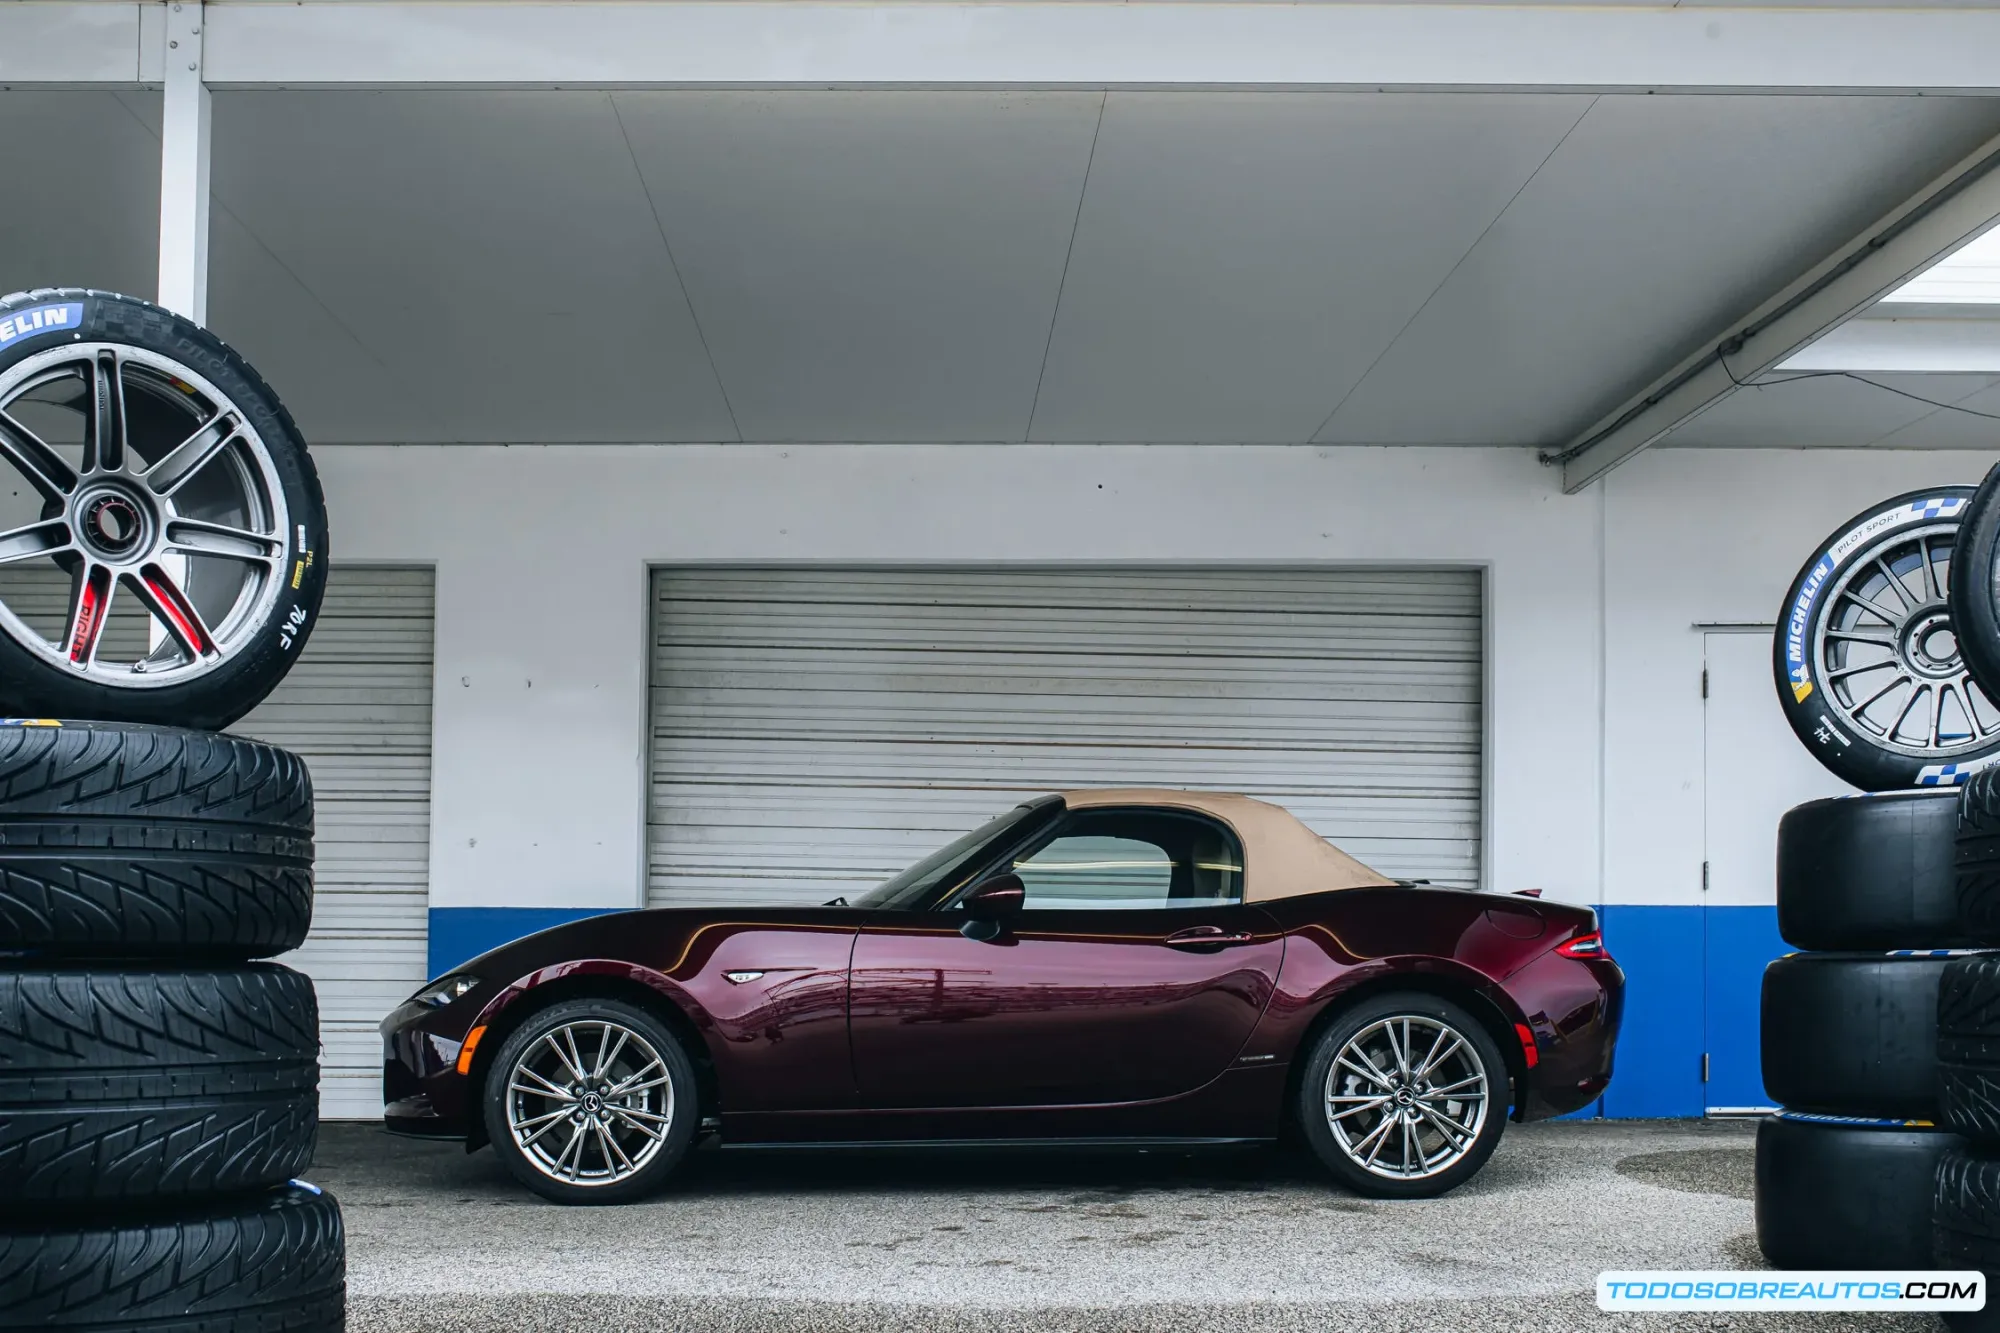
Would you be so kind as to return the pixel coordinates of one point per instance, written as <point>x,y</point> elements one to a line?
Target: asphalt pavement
<point>1018,1242</point>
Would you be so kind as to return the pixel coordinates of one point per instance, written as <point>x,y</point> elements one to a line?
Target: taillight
<point>1584,946</point>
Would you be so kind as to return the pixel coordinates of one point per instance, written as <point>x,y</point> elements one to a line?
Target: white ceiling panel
<point>1838,411</point>
<point>495,251</point>
<point>1242,259</point>
<point>870,266</point>
<point>80,173</point>
<point>1658,220</point>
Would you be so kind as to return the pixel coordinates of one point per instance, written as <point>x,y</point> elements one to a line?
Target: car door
<point>1133,971</point>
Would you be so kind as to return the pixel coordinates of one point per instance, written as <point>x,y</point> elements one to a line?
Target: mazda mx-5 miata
<point>1158,967</point>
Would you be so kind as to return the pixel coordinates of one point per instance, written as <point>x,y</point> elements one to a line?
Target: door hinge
<point>1704,682</point>
<point>1704,1066</point>
<point>1704,877</point>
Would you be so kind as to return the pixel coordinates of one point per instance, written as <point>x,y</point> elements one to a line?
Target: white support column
<point>184,139</point>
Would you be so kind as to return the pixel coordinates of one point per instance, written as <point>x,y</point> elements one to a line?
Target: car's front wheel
<point>591,1101</point>
<point>1404,1096</point>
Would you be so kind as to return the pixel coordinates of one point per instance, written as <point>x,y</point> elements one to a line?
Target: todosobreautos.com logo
<point>1831,1290</point>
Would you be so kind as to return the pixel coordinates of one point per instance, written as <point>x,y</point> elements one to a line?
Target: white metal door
<point>815,730</point>
<point>357,706</point>
<point>1755,769</point>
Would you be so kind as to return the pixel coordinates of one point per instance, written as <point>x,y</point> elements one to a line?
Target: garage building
<point>763,441</point>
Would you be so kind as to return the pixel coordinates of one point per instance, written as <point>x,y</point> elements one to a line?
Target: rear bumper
<point>1574,1007</point>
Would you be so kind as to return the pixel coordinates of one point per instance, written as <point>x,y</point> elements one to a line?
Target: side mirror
<point>995,898</point>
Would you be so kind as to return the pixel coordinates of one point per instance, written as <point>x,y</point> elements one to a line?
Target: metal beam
<point>1960,340</point>
<point>79,45</point>
<point>1947,213</point>
<point>184,157</point>
<point>1009,43</point>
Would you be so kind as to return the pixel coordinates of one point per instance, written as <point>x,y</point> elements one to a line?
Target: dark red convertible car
<point>1159,967</point>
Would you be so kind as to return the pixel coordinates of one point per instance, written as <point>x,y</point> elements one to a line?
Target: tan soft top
<point>1282,858</point>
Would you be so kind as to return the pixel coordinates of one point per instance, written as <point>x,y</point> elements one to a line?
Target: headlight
<point>444,990</point>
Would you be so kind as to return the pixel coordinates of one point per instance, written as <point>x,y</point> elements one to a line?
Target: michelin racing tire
<point>163,543</point>
<point>1973,590</point>
<point>1968,1048</point>
<point>138,1086</point>
<point>1871,872</point>
<point>1853,1034</point>
<point>1965,1216</point>
<point>267,1263</point>
<point>1866,658</point>
<point>121,841</point>
<point>1846,1192</point>
<point>1976,858</point>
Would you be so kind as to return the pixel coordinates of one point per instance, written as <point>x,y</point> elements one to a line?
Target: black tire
<point>261,648</point>
<point>1965,1215</point>
<point>1973,587</point>
<point>154,1085</point>
<point>524,1043</point>
<point>1853,1034</point>
<point>1976,858</point>
<point>1870,872</point>
<point>1852,1194</point>
<point>1968,1024</point>
<point>121,841</point>
<point>271,1263</point>
<point>1829,687</point>
<point>1317,1082</point>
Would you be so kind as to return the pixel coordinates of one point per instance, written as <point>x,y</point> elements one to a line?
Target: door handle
<point>1206,937</point>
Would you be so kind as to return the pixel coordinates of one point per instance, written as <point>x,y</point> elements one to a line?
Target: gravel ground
<point>440,1241</point>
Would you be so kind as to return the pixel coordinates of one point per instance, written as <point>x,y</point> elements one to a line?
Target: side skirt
<point>1128,1144</point>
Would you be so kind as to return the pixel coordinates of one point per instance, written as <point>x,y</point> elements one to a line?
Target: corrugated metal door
<point>357,705</point>
<point>815,730</point>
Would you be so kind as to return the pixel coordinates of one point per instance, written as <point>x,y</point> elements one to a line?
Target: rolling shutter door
<point>357,705</point>
<point>814,731</point>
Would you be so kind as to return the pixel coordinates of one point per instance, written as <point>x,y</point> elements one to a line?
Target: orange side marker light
<point>471,1045</point>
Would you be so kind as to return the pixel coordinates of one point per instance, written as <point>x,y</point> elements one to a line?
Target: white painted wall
<point>542,553</point>
<point>1707,535</point>
<point>541,558</point>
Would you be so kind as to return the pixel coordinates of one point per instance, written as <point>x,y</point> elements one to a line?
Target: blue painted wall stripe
<point>1693,977</point>
<point>459,933</point>
<point>1693,981</point>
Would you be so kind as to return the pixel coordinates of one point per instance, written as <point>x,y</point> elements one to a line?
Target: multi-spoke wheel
<point>591,1101</point>
<point>1404,1096</point>
<point>162,535</point>
<point>1869,665</point>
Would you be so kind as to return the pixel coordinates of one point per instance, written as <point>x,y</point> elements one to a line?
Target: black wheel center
<point>592,1103</point>
<point>1404,1096</point>
<point>112,524</point>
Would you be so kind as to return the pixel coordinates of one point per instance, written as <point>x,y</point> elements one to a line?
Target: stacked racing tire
<point>162,555</point>
<point>1845,1172</point>
<point>1967,1193</point>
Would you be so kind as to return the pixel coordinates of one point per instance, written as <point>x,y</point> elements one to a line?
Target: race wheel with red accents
<point>163,541</point>
<point>1867,655</point>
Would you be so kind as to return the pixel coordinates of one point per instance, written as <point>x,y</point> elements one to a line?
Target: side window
<point>1136,859</point>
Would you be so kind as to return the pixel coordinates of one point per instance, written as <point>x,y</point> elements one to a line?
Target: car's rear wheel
<point>591,1101</point>
<point>1404,1096</point>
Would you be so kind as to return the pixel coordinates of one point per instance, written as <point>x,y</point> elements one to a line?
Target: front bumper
<point>424,1094</point>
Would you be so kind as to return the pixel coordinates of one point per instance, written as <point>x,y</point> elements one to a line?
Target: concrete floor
<point>440,1241</point>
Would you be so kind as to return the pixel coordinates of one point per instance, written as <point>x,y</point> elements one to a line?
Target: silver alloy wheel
<point>136,474</point>
<point>1887,656</point>
<point>590,1102</point>
<point>1406,1097</point>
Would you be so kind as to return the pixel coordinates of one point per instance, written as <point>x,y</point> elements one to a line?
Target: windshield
<point>916,884</point>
